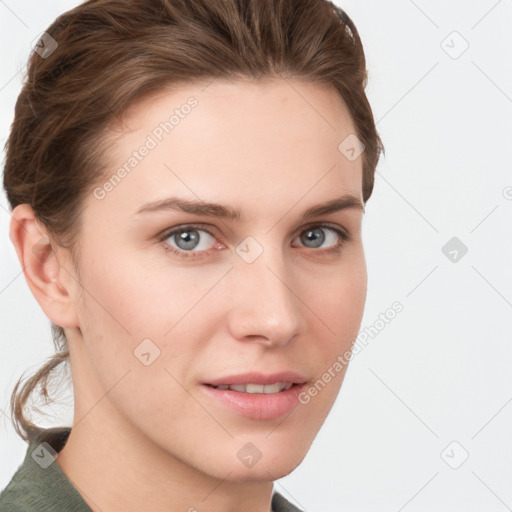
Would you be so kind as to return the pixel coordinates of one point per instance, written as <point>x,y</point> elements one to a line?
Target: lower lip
<point>258,406</point>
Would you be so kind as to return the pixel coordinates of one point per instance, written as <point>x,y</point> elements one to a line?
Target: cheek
<point>340,302</point>
<point>137,299</point>
<point>337,310</point>
<point>132,309</point>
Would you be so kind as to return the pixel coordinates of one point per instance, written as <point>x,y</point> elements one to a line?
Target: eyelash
<point>344,238</point>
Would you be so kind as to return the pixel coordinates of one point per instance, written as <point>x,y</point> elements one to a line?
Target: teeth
<point>257,388</point>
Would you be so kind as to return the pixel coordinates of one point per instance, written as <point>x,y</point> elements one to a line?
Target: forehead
<point>244,141</point>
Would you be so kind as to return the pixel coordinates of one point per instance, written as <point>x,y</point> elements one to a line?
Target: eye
<point>188,238</point>
<point>314,237</point>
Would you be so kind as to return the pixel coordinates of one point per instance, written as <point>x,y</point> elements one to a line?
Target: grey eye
<point>314,235</point>
<point>188,239</point>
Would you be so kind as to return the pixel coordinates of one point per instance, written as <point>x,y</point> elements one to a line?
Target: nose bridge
<point>264,303</point>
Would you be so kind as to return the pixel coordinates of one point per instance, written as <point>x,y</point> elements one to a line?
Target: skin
<point>147,436</point>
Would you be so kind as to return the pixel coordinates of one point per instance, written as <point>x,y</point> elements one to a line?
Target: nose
<point>265,304</point>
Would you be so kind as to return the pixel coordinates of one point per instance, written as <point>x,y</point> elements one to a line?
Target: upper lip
<point>259,378</point>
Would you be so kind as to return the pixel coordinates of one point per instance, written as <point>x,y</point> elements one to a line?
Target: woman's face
<point>161,315</point>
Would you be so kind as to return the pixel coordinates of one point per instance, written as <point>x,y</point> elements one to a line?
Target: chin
<point>261,474</point>
<point>280,464</point>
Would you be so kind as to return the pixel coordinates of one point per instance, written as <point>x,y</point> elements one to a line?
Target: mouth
<point>256,401</point>
<point>267,389</point>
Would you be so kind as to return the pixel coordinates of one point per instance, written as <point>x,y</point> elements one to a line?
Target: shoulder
<point>7,505</point>
<point>14,497</point>
<point>281,504</point>
<point>39,483</point>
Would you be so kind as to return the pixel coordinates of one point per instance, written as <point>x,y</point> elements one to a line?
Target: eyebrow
<point>221,211</point>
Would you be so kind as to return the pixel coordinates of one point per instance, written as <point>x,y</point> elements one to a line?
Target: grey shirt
<point>40,485</point>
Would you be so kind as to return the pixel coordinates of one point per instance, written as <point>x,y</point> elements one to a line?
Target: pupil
<point>317,238</point>
<point>189,241</point>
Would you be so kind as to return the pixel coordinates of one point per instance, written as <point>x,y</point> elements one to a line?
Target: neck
<point>115,468</point>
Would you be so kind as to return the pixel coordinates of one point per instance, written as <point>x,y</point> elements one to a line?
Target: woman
<point>187,182</point>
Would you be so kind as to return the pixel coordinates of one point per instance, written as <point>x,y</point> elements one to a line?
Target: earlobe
<point>51,285</point>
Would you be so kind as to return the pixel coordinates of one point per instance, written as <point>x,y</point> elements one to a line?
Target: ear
<point>47,267</point>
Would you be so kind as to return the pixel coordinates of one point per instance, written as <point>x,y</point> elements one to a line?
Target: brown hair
<point>111,53</point>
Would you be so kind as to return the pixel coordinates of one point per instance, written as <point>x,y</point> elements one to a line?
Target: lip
<point>259,378</point>
<point>258,406</point>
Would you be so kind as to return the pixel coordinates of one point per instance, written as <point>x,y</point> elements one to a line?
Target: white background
<point>441,370</point>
